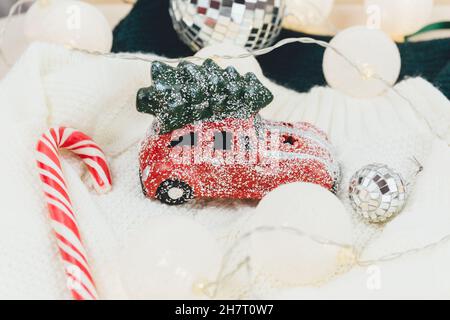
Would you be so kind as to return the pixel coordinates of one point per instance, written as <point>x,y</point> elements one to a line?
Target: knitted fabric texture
<point>148,28</point>
<point>97,96</point>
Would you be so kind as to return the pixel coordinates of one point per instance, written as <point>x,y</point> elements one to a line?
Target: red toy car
<point>234,158</point>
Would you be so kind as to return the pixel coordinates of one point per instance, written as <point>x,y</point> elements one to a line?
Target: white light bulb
<point>170,258</point>
<point>288,259</point>
<point>399,17</point>
<point>70,23</point>
<point>375,56</point>
<point>309,12</point>
<point>43,3</point>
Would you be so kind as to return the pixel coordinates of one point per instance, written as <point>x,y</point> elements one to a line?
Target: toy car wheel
<point>174,192</point>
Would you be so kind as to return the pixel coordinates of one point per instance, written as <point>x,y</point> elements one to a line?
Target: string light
<point>177,267</point>
<point>400,17</point>
<point>351,256</point>
<point>69,23</point>
<point>365,73</point>
<point>308,14</point>
<point>17,7</point>
<point>375,53</point>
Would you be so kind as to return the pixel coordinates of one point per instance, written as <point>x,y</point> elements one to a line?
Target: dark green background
<point>148,28</point>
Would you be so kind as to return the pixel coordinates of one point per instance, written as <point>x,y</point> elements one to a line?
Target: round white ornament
<point>243,65</point>
<point>71,23</point>
<point>170,258</point>
<point>288,259</point>
<point>399,17</point>
<point>375,56</point>
<point>309,13</point>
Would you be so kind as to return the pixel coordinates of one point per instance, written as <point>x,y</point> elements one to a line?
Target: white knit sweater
<point>53,86</point>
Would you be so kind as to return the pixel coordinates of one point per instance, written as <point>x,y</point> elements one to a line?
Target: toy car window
<point>290,139</point>
<point>222,140</point>
<point>246,143</point>
<point>259,126</point>
<point>189,139</point>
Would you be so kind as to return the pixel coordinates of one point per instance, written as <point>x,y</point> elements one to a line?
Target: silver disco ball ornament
<point>253,24</point>
<point>377,193</point>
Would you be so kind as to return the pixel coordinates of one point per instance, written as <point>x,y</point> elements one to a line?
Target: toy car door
<point>216,161</point>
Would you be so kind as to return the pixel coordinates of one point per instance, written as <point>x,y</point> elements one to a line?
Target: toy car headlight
<point>145,173</point>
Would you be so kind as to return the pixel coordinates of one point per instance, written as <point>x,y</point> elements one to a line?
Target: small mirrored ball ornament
<point>253,24</point>
<point>377,193</point>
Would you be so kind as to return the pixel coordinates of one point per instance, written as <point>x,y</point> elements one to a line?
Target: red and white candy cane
<point>62,216</point>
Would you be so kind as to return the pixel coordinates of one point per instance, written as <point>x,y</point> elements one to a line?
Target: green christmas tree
<point>190,93</point>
